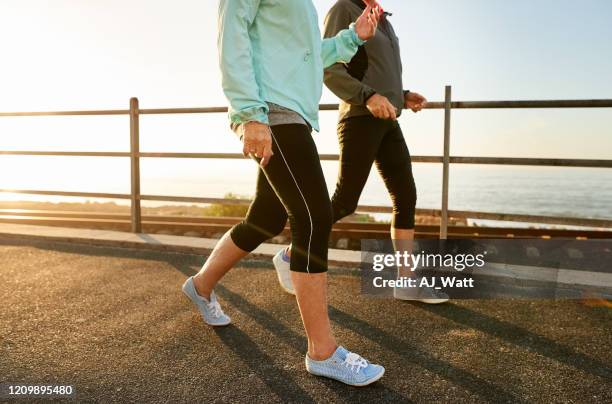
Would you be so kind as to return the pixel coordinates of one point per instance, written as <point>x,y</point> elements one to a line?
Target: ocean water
<point>570,192</point>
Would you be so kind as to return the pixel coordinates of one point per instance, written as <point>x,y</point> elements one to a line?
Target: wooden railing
<point>445,159</point>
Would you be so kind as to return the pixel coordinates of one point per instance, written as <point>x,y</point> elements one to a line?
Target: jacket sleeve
<point>236,61</point>
<point>337,77</point>
<point>340,47</point>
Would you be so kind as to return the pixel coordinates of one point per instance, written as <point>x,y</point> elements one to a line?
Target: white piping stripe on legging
<point>303,198</point>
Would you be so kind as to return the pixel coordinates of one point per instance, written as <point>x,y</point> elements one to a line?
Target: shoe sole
<point>366,383</point>
<point>218,325</point>
<point>203,319</point>
<point>433,301</point>
<point>291,292</point>
<point>426,301</point>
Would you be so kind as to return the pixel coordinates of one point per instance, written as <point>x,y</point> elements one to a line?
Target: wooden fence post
<point>135,165</point>
<point>446,164</point>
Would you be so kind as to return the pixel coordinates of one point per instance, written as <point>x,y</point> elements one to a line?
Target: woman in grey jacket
<point>372,98</point>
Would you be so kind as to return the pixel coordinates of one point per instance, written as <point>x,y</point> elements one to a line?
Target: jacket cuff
<point>258,114</point>
<point>358,41</point>
<point>367,94</point>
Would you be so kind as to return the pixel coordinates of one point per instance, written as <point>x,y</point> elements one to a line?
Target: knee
<point>275,228</point>
<point>412,196</point>
<point>404,208</point>
<point>249,235</point>
<point>404,197</point>
<point>269,229</point>
<point>342,209</point>
<point>317,219</point>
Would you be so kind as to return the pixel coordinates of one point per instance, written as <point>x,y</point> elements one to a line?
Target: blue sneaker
<point>281,263</point>
<point>210,310</point>
<point>346,367</point>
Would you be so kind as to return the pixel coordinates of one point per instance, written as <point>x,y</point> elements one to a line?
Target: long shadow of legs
<point>298,342</point>
<point>294,340</point>
<point>278,380</point>
<point>410,353</point>
<point>521,337</point>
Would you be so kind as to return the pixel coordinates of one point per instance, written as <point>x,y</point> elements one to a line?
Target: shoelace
<point>215,309</point>
<point>355,362</point>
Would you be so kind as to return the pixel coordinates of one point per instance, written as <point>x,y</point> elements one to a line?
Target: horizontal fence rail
<point>526,104</point>
<point>520,161</point>
<point>446,159</point>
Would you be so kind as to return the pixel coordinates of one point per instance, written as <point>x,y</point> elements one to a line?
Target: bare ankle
<point>201,290</point>
<point>322,354</point>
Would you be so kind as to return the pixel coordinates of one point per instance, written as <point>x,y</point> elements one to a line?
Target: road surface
<point>113,323</point>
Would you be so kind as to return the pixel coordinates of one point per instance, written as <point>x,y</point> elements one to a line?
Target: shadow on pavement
<point>299,343</point>
<point>521,337</point>
<point>410,353</point>
<point>294,340</point>
<point>278,380</point>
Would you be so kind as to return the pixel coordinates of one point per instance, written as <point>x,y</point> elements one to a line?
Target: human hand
<point>381,107</point>
<point>414,101</point>
<point>372,3</point>
<point>257,141</point>
<point>366,24</point>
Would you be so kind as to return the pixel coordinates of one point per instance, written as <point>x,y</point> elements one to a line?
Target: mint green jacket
<point>272,51</point>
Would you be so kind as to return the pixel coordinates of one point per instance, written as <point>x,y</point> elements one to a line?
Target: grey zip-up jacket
<point>376,68</point>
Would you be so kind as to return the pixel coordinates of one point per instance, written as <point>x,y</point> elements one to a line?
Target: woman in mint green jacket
<point>272,59</point>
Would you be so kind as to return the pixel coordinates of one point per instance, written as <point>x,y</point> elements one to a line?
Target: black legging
<point>364,140</point>
<point>291,186</point>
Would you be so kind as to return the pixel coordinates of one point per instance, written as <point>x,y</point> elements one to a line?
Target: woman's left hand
<point>366,24</point>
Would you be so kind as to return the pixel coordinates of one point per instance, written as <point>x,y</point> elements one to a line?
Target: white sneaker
<point>281,264</point>
<point>423,295</point>
<point>211,311</point>
<point>346,367</point>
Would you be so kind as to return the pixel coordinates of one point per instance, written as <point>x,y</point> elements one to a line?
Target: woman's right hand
<point>257,141</point>
<point>366,24</point>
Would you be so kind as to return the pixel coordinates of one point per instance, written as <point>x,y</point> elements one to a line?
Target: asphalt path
<point>113,323</point>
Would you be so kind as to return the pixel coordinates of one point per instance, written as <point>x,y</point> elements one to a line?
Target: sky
<point>71,54</point>
<point>96,54</point>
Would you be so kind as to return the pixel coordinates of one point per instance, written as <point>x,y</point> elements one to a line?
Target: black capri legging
<point>290,186</point>
<point>363,141</point>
